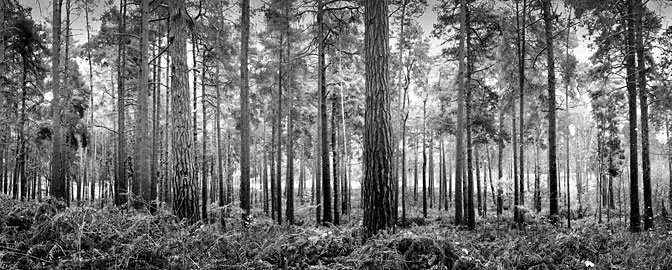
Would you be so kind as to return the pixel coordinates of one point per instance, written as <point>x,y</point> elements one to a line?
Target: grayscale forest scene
<point>335,134</point>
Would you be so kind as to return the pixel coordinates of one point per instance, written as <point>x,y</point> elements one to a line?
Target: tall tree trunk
<point>90,168</point>
<point>157,134</point>
<point>274,195</point>
<point>204,144</point>
<point>21,139</point>
<point>521,98</point>
<point>669,160</point>
<point>424,157</point>
<point>537,177</point>
<point>478,181</point>
<point>334,152</point>
<point>631,83</point>
<point>471,215</point>
<point>644,118</point>
<point>185,199</point>
<point>142,147</point>
<point>459,144</point>
<point>290,130</point>
<point>345,208</point>
<point>220,169</point>
<point>552,156</point>
<point>567,81</point>
<point>121,186</point>
<point>324,139</point>
<point>430,188</point>
<point>278,169</point>
<point>378,153</point>
<point>265,167</point>
<point>500,160</point>
<point>415,170</point>
<point>245,111</point>
<point>167,176</point>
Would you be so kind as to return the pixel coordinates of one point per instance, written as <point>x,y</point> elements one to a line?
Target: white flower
<point>589,264</point>
<point>465,251</point>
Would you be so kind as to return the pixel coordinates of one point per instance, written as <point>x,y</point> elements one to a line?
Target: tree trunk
<point>142,147</point>
<point>89,165</point>
<point>500,165</point>
<point>415,170</point>
<point>121,188</point>
<point>459,147</point>
<point>274,195</point>
<point>632,114</point>
<point>378,154</point>
<point>324,150</point>
<point>521,98</point>
<point>669,160</point>
<point>290,130</point>
<point>471,215</point>
<point>220,169</point>
<point>430,188</point>
<point>552,158</point>
<point>21,139</point>
<point>204,145</point>
<point>478,182</point>
<point>334,152</point>
<point>278,169</point>
<point>185,197</point>
<point>424,157</point>
<point>245,111</point>
<point>166,188</point>
<point>644,118</point>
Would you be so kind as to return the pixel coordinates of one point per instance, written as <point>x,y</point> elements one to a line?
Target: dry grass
<point>48,236</point>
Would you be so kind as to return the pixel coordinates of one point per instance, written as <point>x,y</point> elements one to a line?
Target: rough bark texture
<point>644,117</point>
<point>185,200</point>
<point>204,147</point>
<point>290,130</point>
<point>142,148</point>
<point>459,144</point>
<point>471,212</point>
<point>324,139</point>
<point>552,158</point>
<point>521,110</point>
<point>378,168</point>
<point>424,157</point>
<point>278,169</point>
<point>245,111</point>
<point>121,188</point>
<point>335,158</point>
<point>631,84</point>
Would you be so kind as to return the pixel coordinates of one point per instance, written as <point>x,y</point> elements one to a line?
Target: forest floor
<point>46,235</point>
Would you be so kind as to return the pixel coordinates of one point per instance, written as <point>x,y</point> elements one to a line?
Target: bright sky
<point>42,13</point>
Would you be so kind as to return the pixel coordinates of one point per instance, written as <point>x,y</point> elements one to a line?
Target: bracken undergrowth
<point>47,235</point>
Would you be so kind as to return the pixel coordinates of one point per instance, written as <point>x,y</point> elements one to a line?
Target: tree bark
<point>631,84</point>
<point>121,186</point>
<point>335,158</point>
<point>142,147</point>
<point>290,129</point>
<point>204,145</point>
<point>471,215</point>
<point>459,147</point>
<point>424,157</point>
<point>324,139</point>
<point>185,199</point>
<point>552,156</point>
<point>278,169</point>
<point>378,154</point>
<point>245,111</point>
<point>644,117</point>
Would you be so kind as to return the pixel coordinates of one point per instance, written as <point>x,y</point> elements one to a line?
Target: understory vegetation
<point>47,235</point>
